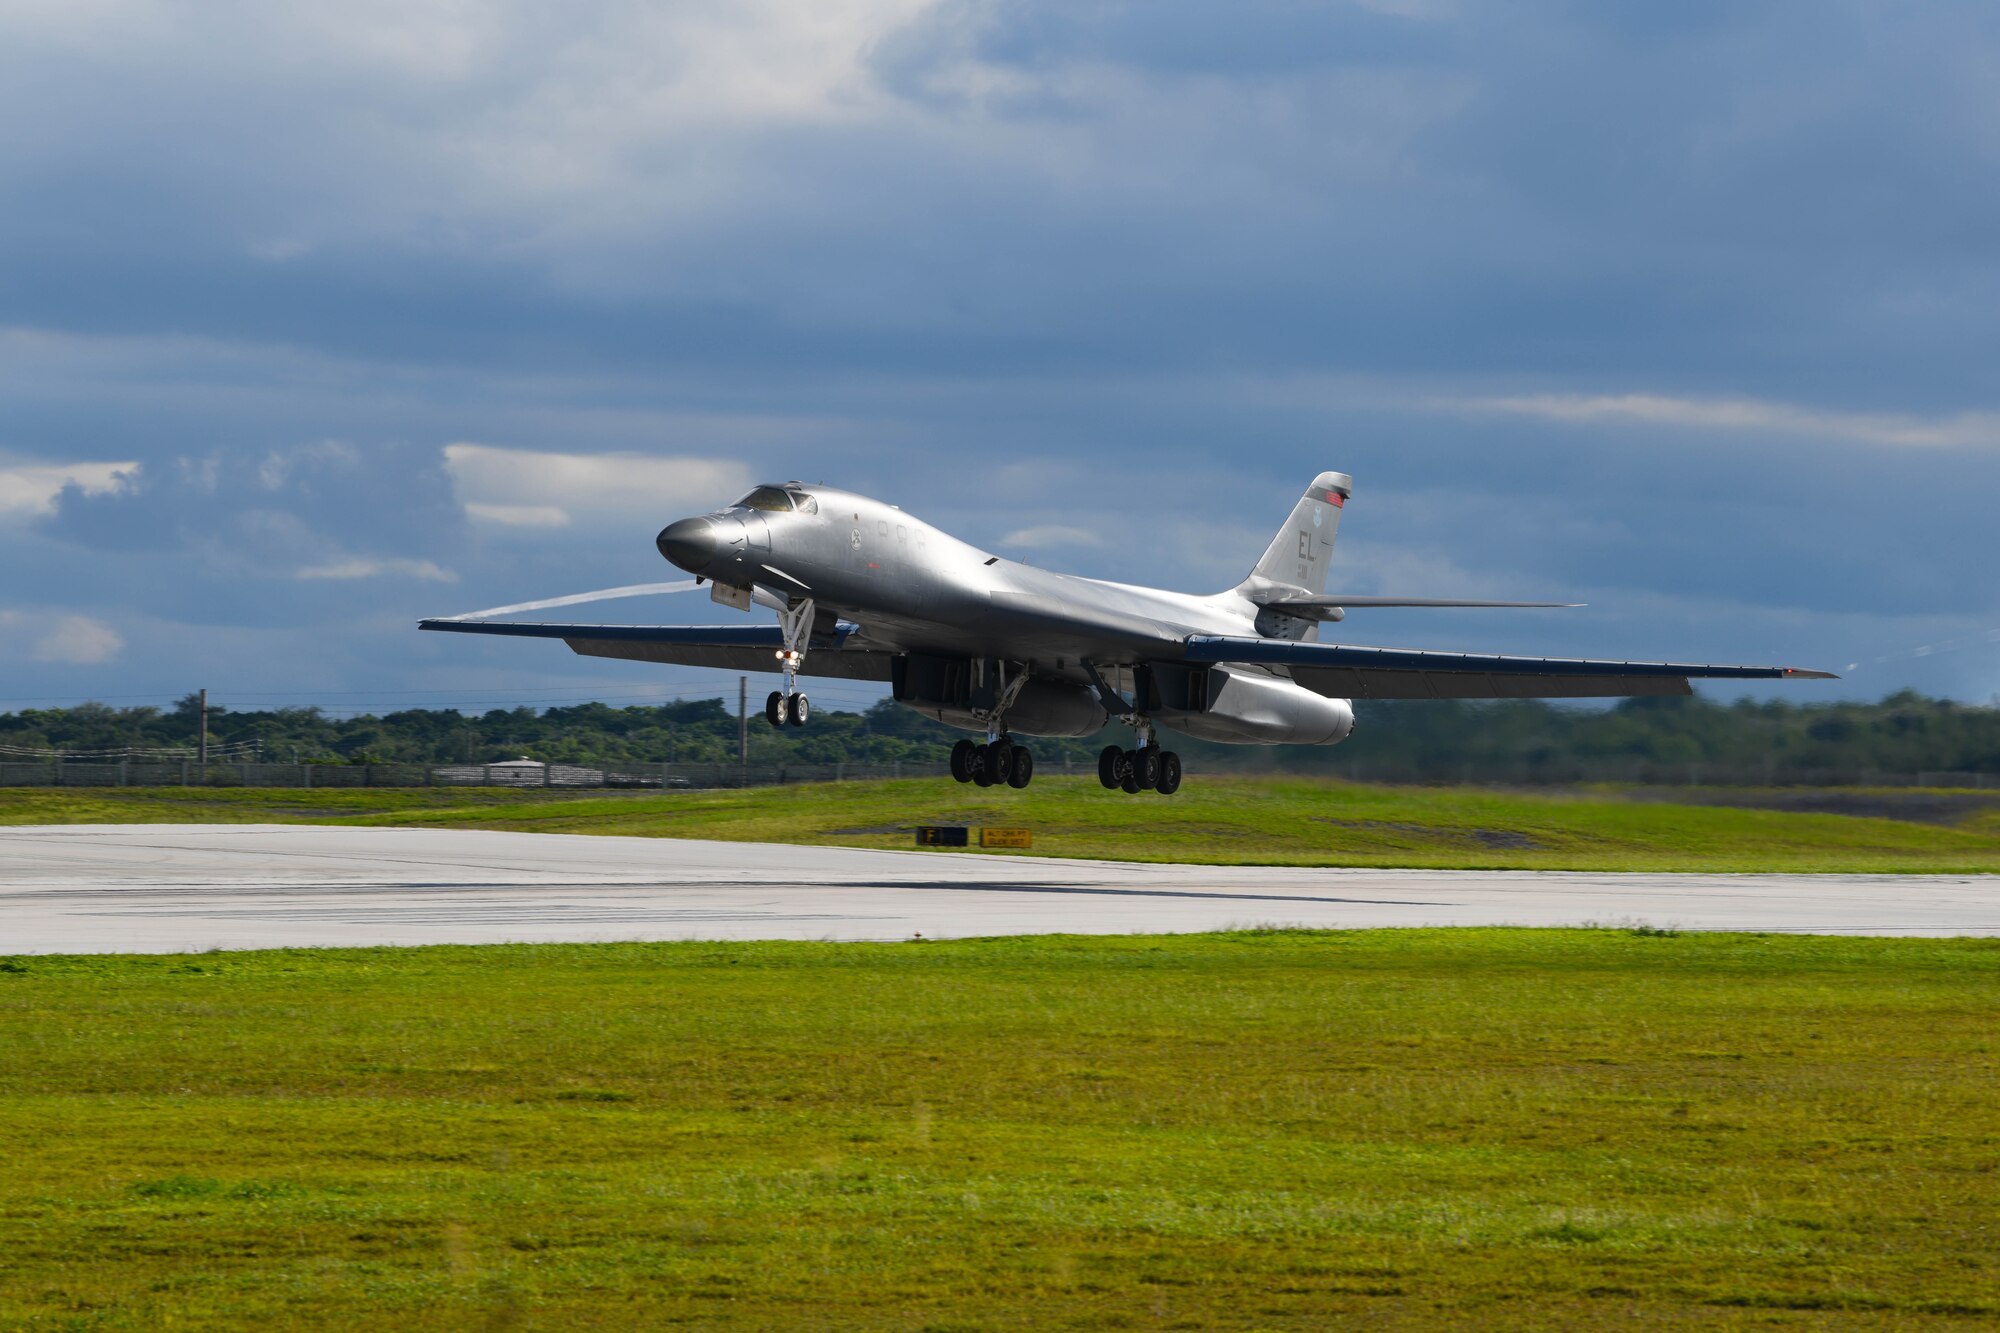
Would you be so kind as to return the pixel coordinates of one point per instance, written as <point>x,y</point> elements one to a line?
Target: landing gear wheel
<point>999,755</point>
<point>1128,782</point>
<point>983,769</point>
<point>1170,773</point>
<point>1146,767</point>
<point>1020,767</point>
<point>1110,762</point>
<point>774,709</point>
<point>797,711</point>
<point>962,759</point>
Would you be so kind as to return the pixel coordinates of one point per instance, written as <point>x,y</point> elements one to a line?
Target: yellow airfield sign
<point>958,835</point>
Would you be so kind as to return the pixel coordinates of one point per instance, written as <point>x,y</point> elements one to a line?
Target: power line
<point>231,750</point>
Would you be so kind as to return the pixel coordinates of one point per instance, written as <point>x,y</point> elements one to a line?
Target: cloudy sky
<point>315,319</point>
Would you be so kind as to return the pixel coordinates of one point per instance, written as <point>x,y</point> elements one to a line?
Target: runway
<point>150,888</point>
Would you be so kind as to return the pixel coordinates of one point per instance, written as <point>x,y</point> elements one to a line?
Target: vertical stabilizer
<point>1299,555</point>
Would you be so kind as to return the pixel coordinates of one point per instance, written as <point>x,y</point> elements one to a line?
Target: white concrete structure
<point>98,888</point>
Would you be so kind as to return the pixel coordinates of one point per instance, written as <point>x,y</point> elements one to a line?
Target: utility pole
<point>203,742</point>
<point>743,723</point>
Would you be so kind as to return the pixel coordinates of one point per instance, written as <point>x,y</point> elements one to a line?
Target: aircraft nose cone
<point>689,543</point>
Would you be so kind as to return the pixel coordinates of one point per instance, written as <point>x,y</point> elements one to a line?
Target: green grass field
<point>1289,1130</point>
<point>1273,821</point>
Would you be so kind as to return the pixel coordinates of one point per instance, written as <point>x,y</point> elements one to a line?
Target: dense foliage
<point>1675,739</point>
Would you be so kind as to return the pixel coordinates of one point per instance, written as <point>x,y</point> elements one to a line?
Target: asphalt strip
<point>146,888</point>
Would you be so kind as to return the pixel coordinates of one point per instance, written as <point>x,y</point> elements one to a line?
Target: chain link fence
<point>568,776</point>
<point>672,776</point>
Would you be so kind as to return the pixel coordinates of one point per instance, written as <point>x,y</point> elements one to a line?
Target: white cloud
<point>80,640</point>
<point>1391,569</point>
<point>365,567</point>
<point>1052,534</point>
<point>1961,430</point>
<point>30,489</point>
<point>280,466</point>
<point>518,516</point>
<point>528,488</point>
<point>625,105</point>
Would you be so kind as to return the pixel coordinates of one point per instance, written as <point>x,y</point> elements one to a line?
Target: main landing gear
<point>995,762</point>
<point>999,760</point>
<point>1148,768</point>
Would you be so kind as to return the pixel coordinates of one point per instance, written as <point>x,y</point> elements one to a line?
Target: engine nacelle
<point>950,688</point>
<point>1243,707</point>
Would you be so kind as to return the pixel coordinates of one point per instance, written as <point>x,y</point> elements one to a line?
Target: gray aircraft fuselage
<point>865,591</point>
<point>914,589</point>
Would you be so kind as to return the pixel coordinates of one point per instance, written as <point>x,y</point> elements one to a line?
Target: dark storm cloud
<point>1541,189</point>
<point>1025,268</point>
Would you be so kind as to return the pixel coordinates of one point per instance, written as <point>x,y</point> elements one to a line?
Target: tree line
<point>1680,739</point>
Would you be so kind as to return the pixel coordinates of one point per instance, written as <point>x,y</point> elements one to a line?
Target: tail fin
<point>1299,555</point>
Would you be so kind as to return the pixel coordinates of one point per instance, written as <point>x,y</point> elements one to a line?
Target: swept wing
<point>1350,671</point>
<point>730,647</point>
<point>1334,606</point>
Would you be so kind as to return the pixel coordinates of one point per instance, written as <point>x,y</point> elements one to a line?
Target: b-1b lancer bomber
<point>864,591</point>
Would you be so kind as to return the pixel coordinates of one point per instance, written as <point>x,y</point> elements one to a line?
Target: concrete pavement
<point>100,888</point>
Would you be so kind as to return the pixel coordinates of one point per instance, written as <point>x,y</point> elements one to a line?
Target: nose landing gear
<point>788,705</point>
<point>781,708</point>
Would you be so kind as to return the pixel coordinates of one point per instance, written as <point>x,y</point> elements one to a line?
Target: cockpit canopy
<point>779,500</point>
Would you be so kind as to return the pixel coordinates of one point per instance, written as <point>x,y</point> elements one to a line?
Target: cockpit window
<point>806,504</point>
<point>771,499</point>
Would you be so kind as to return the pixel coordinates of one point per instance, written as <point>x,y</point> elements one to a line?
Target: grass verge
<point>1285,1130</point>
<point>1213,820</point>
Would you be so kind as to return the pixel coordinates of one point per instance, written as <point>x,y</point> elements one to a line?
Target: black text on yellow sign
<point>957,835</point>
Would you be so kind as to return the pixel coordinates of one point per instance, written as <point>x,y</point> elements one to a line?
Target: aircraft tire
<point>1146,767</point>
<point>1109,760</point>
<point>961,760</point>
<point>797,710</point>
<point>999,757</point>
<point>1129,783</point>
<point>774,709</point>
<point>982,771</point>
<point>1020,767</point>
<point>1170,774</point>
